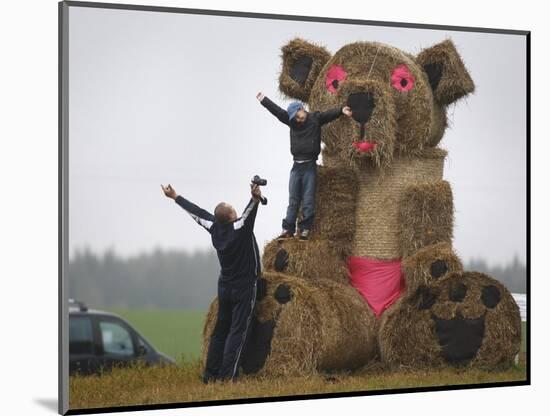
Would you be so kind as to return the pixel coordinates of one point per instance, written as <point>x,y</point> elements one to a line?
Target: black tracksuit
<point>239,259</point>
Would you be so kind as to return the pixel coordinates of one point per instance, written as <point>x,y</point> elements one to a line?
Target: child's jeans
<point>301,189</point>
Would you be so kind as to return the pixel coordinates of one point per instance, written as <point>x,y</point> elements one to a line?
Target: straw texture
<point>409,336</point>
<point>426,216</point>
<point>378,222</point>
<point>325,326</point>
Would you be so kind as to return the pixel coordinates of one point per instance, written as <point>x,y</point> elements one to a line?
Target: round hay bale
<point>428,265</point>
<point>207,329</point>
<point>464,319</point>
<point>303,326</point>
<point>312,259</point>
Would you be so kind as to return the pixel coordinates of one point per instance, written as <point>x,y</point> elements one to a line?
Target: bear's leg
<point>449,317</point>
<point>302,326</point>
<point>426,216</point>
<point>446,316</point>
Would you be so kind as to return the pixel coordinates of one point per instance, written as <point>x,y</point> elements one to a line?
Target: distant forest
<point>181,280</point>
<point>160,279</point>
<point>512,275</point>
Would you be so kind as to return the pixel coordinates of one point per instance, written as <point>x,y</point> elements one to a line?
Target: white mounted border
<point>521,300</point>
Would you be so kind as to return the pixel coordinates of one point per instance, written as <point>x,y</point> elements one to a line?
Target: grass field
<point>178,333</point>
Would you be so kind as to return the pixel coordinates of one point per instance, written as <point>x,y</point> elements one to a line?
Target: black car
<point>100,340</point>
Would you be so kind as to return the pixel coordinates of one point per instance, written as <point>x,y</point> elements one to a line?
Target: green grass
<point>177,333</point>
<point>140,385</point>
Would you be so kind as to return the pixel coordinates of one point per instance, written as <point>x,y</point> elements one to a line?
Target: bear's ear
<point>446,72</point>
<point>302,62</point>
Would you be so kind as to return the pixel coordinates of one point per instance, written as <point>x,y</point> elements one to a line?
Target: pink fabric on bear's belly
<point>379,281</point>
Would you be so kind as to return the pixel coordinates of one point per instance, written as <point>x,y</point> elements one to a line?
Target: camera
<point>256,180</point>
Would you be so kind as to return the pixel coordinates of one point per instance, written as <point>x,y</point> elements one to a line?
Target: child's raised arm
<point>273,108</point>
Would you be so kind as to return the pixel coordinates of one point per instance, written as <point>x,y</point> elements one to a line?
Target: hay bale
<point>335,204</point>
<point>207,330</point>
<point>297,82</point>
<point>400,125</point>
<point>317,325</point>
<point>310,260</point>
<point>380,194</point>
<point>454,81</point>
<point>427,265</point>
<point>325,254</point>
<point>426,216</point>
<point>463,319</point>
<point>406,337</point>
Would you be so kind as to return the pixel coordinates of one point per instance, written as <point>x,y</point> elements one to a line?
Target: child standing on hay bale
<point>305,146</point>
<point>234,241</point>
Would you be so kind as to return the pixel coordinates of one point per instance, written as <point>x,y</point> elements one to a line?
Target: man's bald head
<point>225,213</point>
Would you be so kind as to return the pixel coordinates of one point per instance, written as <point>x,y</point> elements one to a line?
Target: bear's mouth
<point>460,338</point>
<point>364,146</point>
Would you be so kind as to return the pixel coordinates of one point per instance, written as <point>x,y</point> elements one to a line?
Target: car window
<point>80,335</point>
<point>116,339</point>
<point>142,345</point>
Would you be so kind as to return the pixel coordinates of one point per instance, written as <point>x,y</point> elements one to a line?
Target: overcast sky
<point>170,98</point>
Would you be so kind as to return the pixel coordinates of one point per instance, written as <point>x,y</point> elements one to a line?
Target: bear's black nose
<point>362,105</point>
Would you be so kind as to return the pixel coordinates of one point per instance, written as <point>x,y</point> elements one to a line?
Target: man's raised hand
<point>169,191</point>
<point>255,191</point>
<point>260,96</point>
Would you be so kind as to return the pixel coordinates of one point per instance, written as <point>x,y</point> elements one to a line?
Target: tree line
<point>171,279</point>
<point>512,275</point>
<point>159,279</point>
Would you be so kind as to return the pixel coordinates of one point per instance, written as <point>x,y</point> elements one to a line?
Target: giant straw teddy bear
<point>379,278</point>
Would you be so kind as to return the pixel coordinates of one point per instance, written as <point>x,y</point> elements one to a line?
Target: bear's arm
<point>426,216</point>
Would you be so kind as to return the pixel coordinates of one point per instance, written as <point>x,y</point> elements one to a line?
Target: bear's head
<point>398,100</point>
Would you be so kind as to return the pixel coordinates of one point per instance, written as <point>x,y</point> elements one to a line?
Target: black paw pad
<point>281,260</point>
<point>458,292</point>
<point>424,298</point>
<point>283,294</point>
<point>490,296</point>
<point>257,348</point>
<point>261,289</point>
<point>460,338</point>
<point>438,268</point>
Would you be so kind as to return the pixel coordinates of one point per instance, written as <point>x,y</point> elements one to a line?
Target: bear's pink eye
<point>335,75</point>
<point>402,79</point>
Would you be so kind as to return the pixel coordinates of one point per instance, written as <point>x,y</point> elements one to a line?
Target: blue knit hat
<point>293,108</point>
